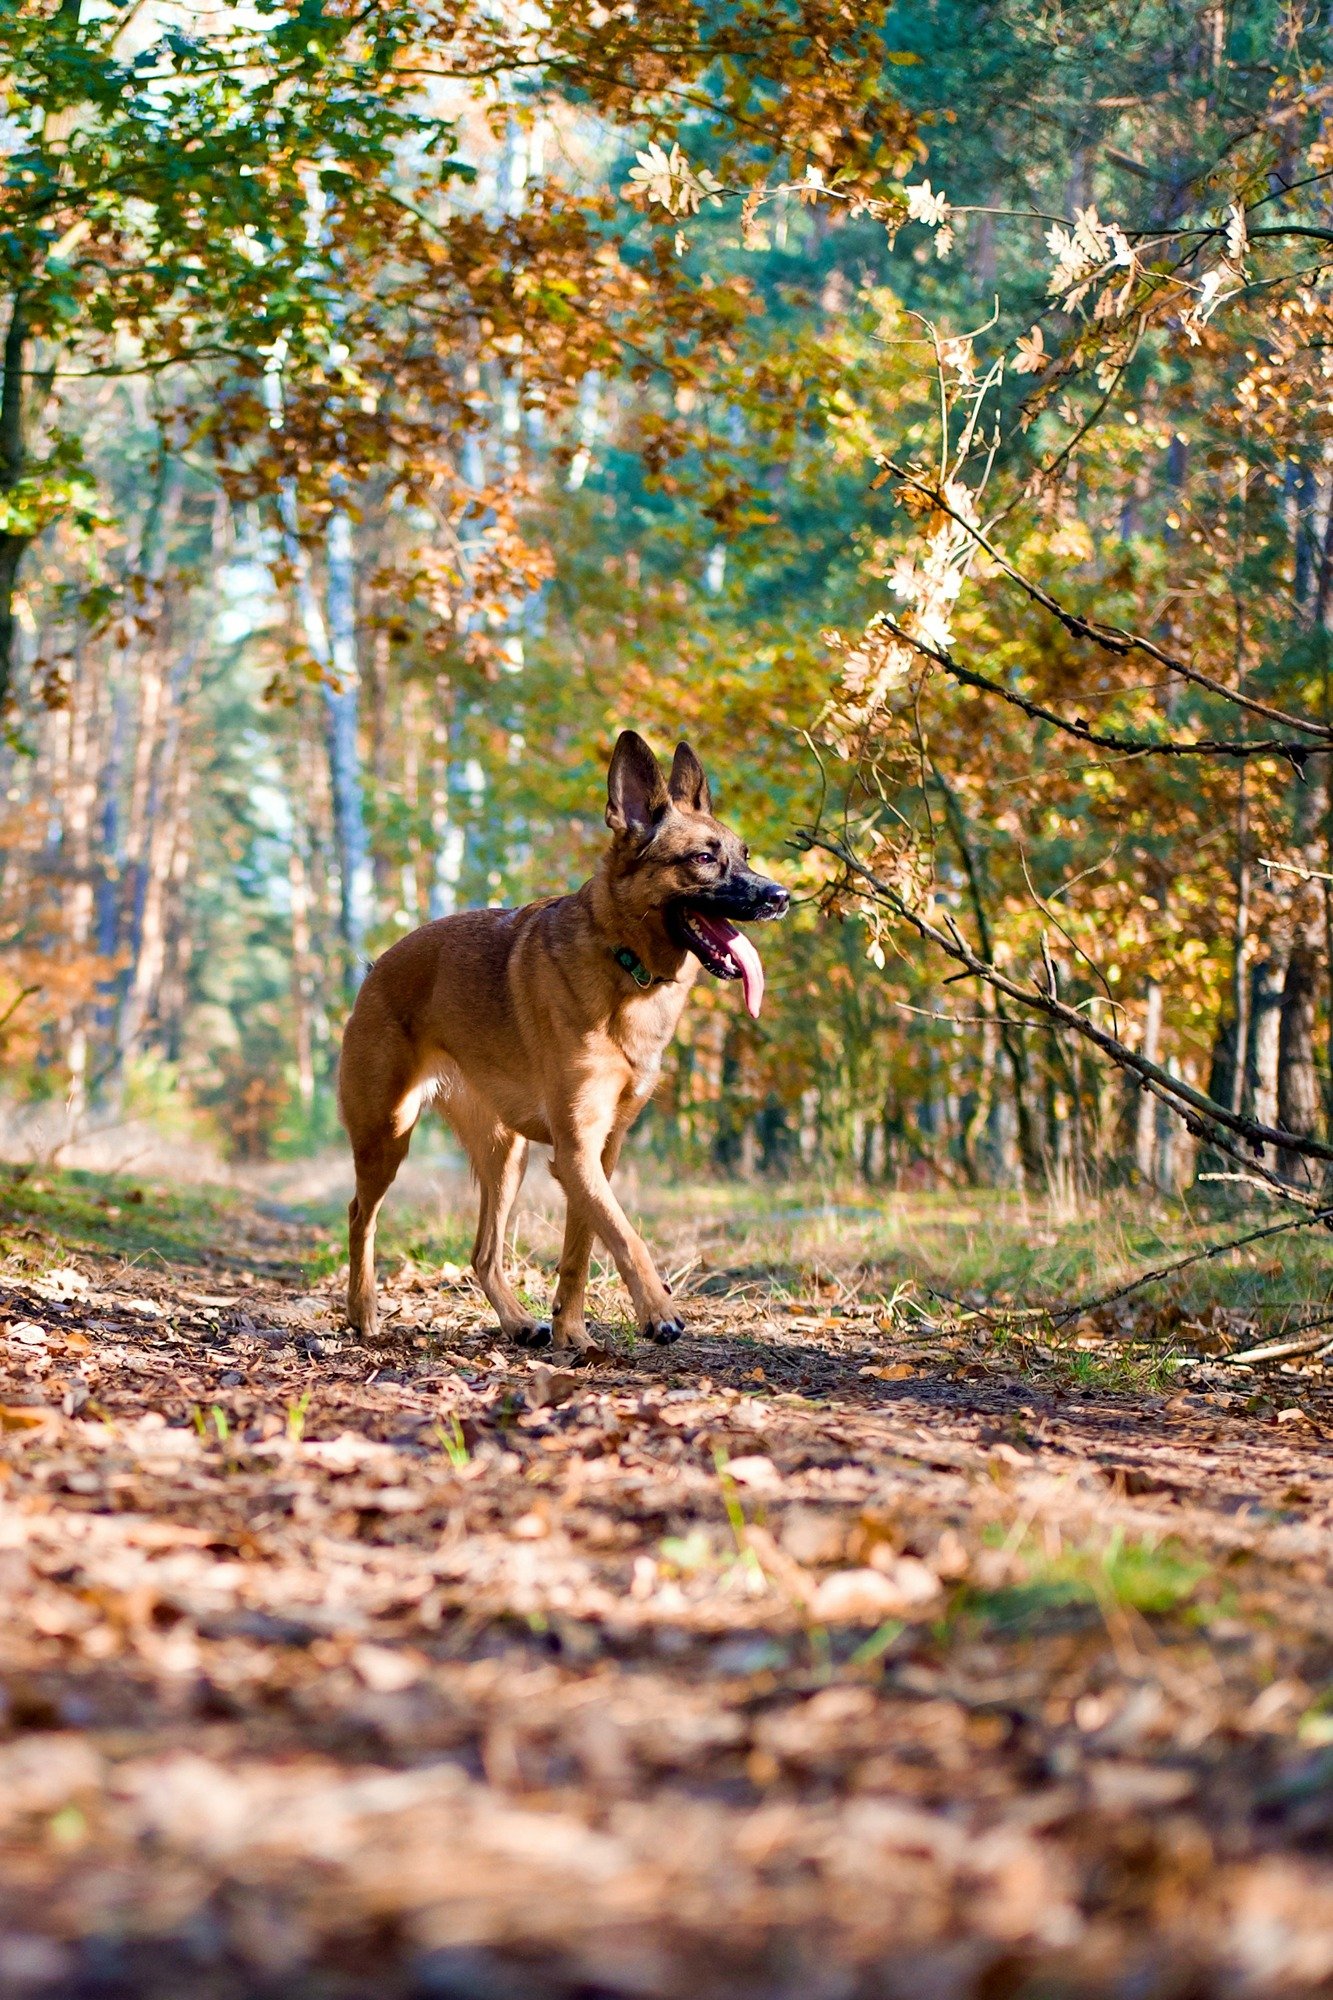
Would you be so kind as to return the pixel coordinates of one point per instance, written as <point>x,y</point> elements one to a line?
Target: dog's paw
<point>537,1335</point>
<point>663,1331</point>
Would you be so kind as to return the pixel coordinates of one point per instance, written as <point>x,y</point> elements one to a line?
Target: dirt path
<point>731,1670</point>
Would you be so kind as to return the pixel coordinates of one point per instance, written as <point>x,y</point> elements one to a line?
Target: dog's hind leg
<point>380,1104</point>
<point>377,1162</point>
<point>499,1159</point>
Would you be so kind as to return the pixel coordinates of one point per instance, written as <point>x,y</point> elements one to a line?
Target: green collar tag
<point>633,964</point>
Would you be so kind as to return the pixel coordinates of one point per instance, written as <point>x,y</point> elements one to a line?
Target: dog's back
<point>441,997</point>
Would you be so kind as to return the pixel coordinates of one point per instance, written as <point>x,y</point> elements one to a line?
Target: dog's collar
<point>635,967</point>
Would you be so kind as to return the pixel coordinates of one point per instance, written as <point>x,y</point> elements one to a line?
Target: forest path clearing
<point>726,1669</point>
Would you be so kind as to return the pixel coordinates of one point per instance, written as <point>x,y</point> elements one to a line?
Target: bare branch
<point>1201,1114</point>
<point>1128,746</point>
<point>1111,638</point>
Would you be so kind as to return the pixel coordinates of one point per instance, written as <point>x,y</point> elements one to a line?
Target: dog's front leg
<point>578,1164</point>
<point>567,1321</point>
<point>568,1328</point>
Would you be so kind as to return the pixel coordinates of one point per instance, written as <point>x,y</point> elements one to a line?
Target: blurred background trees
<point>373,447</point>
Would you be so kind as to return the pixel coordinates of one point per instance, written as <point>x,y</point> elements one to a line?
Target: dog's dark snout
<point>771,897</point>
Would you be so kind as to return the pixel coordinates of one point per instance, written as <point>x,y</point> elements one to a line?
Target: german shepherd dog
<point>549,1024</point>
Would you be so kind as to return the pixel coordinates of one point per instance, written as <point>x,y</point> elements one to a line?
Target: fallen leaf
<point>868,1596</point>
<point>1120,1787</point>
<point>63,1283</point>
<point>27,1333</point>
<point>754,1470</point>
<point>18,1418</point>
<point>550,1387</point>
<point>384,1669</point>
<point>812,1536</point>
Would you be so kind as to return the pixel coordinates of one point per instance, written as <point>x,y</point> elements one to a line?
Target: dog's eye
<point>700,859</point>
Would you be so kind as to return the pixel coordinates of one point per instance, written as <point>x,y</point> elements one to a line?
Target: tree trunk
<point>975,1130</point>
<point>342,709</point>
<point>79,802</point>
<point>163,819</point>
<point>299,887</point>
<point>1222,1071</point>
<point>1301,495</point>
<point>123,912</point>
<point>1240,954</point>
<point>173,989</point>
<point>387,893</point>
<point>1145,1123</point>
<point>13,458</point>
<point>446,838</point>
<point>1032,1151</point>
<point>332,643</point>
<point>1297,1077</point>
<point>11,553</point>
<point>1266,995</point>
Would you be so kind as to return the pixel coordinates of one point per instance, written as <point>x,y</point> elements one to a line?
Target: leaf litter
<point>841,1650</point>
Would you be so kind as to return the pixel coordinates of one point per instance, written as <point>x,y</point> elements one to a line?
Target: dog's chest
<point>642,1030</point>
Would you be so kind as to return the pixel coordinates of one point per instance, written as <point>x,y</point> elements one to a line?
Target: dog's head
<point>680,862</point>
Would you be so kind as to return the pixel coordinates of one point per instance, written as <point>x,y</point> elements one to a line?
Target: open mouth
<point>723,950</point>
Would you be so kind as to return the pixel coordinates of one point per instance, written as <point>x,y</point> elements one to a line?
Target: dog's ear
<point>688,785</point>
<point>636,793</point>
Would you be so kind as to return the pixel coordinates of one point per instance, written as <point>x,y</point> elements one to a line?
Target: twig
<point>1111,639</point>
<point>1100,739</point>
<point>25,993</point>
<point>1290,868</point>
<point>1183,1264</point>
<point>1282,1350</point>
<point>1284,1192</point>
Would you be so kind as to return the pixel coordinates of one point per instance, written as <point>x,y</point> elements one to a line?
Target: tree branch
<point>1200,1113</point>
<point>1110,638</point>
<point>1129,746</point>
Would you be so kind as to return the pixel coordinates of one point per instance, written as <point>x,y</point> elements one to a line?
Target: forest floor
<point>868,1642</point>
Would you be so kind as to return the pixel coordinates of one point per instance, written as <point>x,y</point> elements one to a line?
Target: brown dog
<point>549,1023</point>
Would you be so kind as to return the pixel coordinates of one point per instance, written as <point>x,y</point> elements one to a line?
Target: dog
<point>548,1025</point>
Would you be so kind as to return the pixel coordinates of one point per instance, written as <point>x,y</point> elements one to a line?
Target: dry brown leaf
<point>20,1418</point>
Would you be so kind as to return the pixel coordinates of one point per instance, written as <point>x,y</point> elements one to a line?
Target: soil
<point>729,1669</point>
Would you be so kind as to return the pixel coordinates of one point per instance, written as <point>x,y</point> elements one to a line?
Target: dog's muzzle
<point>705,926</point>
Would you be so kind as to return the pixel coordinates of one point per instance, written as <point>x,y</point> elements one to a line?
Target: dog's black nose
<point>777,900</point>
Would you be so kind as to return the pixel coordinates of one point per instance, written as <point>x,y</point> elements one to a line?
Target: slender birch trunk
<point>332,641</point>
<point>77,844</point>
<point>446,839</point>
<point>164,813</point>
<point>298,883</point>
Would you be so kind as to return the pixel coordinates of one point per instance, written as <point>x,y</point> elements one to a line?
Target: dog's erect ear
<point>688,785</point>
<point>636,793</point>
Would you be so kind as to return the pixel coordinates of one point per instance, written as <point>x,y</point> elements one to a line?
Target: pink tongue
<point>745,955</point>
